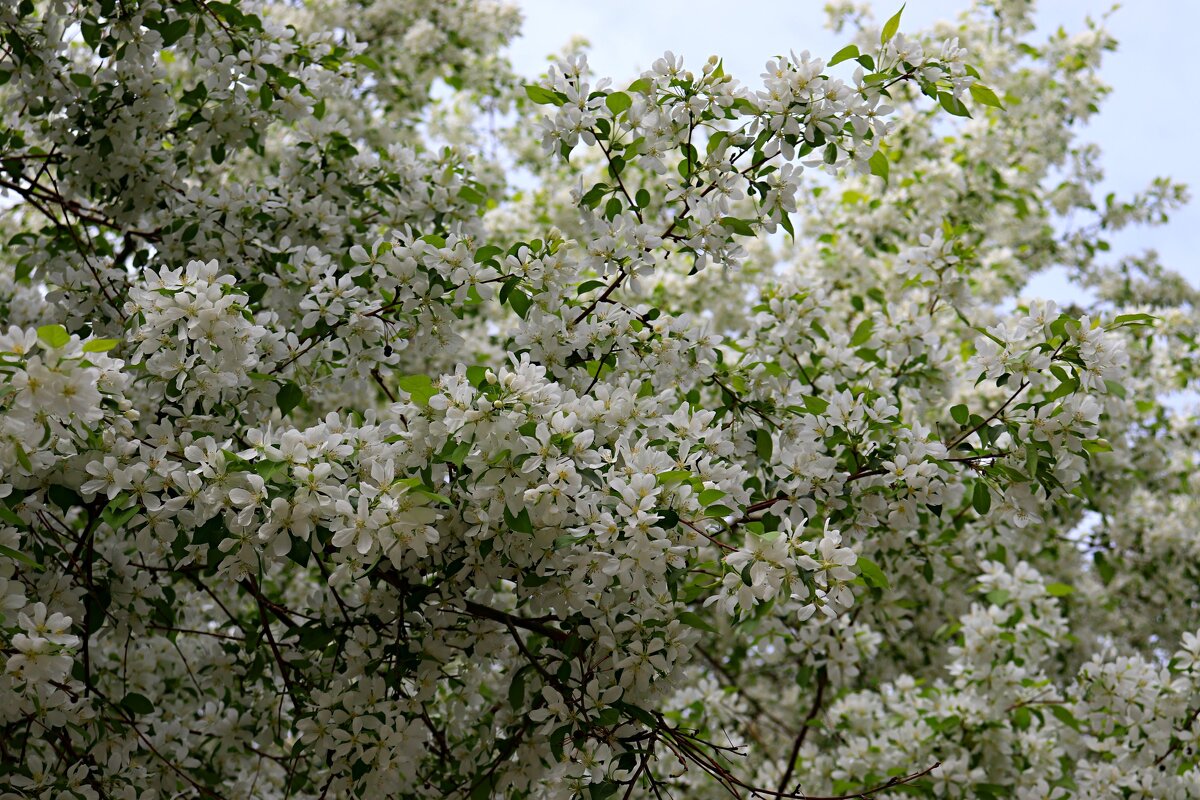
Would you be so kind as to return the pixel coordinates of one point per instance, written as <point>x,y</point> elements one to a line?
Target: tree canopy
<point>376,422</point>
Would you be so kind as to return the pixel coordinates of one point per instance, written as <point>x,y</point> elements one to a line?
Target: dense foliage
<point>375,423</point>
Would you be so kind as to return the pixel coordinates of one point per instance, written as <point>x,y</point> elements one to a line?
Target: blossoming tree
<point>721,458</point>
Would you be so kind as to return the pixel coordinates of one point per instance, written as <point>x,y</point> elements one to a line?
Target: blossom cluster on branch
<point>724,456</point>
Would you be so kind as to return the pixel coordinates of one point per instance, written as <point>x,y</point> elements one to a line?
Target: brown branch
<point>818,701</point>
<point>506,619</point>
<point>1187,726</point>
<point>711,538</point>
<point>897,781</point>
<point>731,680</point>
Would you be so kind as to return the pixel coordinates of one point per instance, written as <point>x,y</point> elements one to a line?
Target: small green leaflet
<point>696,621</point>
<point>288,397</point>
<point>891,27</point>
<point>871,573</point>
<point>1064,716</point>
<point>981,498</point>
<point>137,704</point>
<point>985,96</point>
<point>17,555</point>
<point>520,302</point>
<point>618,102</point>
<point>739,226</point>
<point>763,444</point>
<point>516,689</point>
<point>862,333</point>
<point>953,105</point>
<point>880,166</point>
<point>542,95</point>
<point>419,387</point>
<point>998,596</point>
<point>54,335</point>
<point>845,54</point>
<point>1133,319</point>
<point>673,476</point>
<point>100,345</point>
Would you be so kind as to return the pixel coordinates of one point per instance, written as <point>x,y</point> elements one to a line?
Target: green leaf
<point>174,31</point>
<point>641,86</point>
<point>871,573</point>
<point>100,345</point>
<point>763,444</point>
<point>891,27</point>
<point>961,414</point>
<point>612,208</point>
<point>880,165</point>
<point>542,95</point>
<point>981,498</point>
<point>22,456</point>
<point>862,333</point>
<point>486,252</point>
<point>1059,589</point>
<point>476,375</point>
<point>472,195</point>
<point>710,496</point>
<point>592,197</point>
<point>1064,716</point>
<point>693,620</point>
<point>300,551</point>
<point>520,302</point>
<point>953,105</point>
<point>739,226</point>
<point>10,516</point>
<point>617,102</point>
<point>288,397</point>
<point>815,405</point>
<point>516,690</point>
<point>64,497</point>
<point>419,387</point>
<point>54,335</point>
<point>483,788</point>
<point>368,62</point>
<point>985,96</point>
<point>519,522</point>
<point>602,790</point>
<point>1022,718</point>
<point>845,54</point>
<point>640,714</point>
<point>785,220</point>
<point>116,515</point>
<point>17,555</point>
<point>137,704</point>
<point>1134,319</point>
<point>315,636</point>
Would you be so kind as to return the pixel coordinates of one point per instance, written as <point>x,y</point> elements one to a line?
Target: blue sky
<point>1146,127</point>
